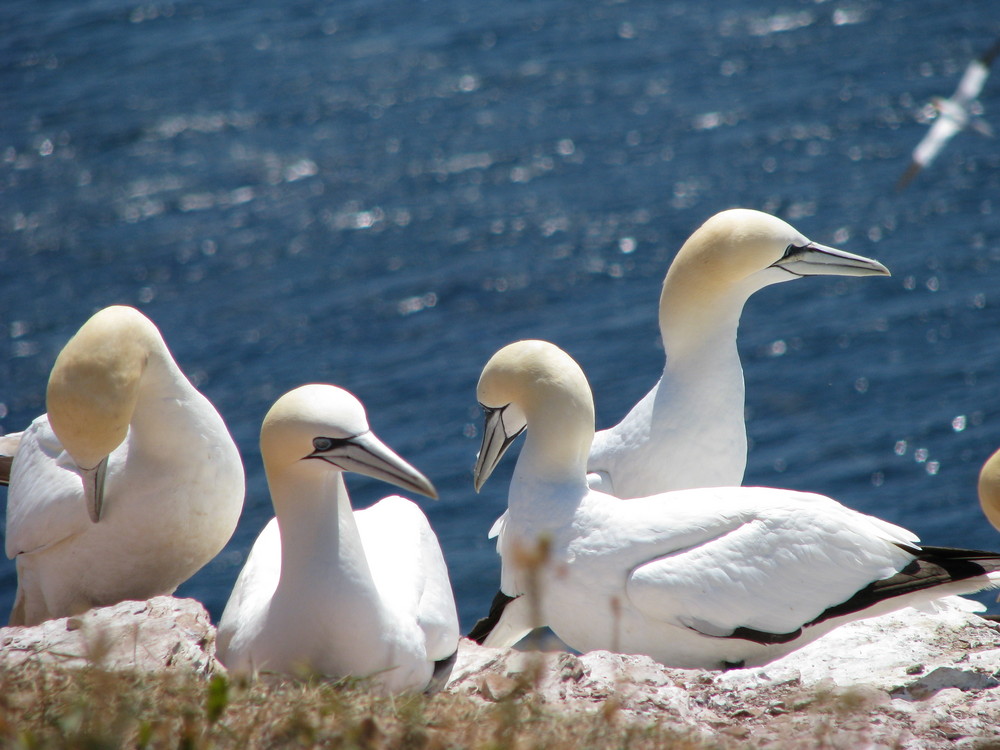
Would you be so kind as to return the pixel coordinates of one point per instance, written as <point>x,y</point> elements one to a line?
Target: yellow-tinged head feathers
<point>322,426</point>
<point>536,385</point>
<point>305,413</point>
<point>531,374</point>
<point>731,256</point>
<point>732,245</point>
<point>94,384</point>
<point>989,489</point>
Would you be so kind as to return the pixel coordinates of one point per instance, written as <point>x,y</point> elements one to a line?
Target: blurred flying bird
<point>952,115</point>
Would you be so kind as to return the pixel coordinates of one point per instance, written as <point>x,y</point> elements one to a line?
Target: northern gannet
<point>328,590</point>
<point>989,489</point>
<point>708,578</point>
<point>952,115</point>
<point>127,485</point>
<point>689,430</point>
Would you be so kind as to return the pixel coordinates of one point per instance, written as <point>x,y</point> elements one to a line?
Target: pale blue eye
<point>322,444</point>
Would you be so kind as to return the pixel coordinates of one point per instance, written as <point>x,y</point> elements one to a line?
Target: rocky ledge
<point>161,634</point>
<point>911,679</point>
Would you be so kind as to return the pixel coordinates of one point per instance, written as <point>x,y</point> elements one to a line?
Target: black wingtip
<point>912,171</point>
<point>5,463</point>
<point>484,626</point>
<point>990,55</point>
<point>931,567</point>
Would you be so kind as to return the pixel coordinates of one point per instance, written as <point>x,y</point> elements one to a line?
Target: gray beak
<point>496,441</point>
<point>366,454</point>
<point>819,260</point>
<point>93,488</point>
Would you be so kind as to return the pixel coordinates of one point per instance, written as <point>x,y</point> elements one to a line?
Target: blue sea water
<point>381,193</point>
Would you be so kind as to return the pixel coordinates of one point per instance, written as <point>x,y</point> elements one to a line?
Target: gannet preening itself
<point>953,115</point>
<point>328,590</point>
<point>689,430</point>
<point>708,578</point>
<point>989,489</point>
<point>127,486</point>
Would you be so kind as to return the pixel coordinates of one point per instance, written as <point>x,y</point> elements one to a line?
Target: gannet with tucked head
<point>127,485</point>
<point>328,590</point>
<point>689,430</point>
<point>706,578</point>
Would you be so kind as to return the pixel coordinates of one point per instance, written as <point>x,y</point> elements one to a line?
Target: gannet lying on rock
<point>689,430</point>
<point>328,590</point>
<point>127,486</point>
<point>712,577</point>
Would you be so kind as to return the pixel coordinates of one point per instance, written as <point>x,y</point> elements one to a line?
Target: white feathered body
<point>373,601</point>
<point>670,578</point>
<point>688,431</point>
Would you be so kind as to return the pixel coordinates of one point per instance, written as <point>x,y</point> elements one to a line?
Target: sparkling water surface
<point>380,194</point>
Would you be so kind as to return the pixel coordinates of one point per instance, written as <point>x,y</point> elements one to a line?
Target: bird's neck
<point>551,469</point>
<point>169,410</point>
<point>321,546</point>
<point>698,324</point>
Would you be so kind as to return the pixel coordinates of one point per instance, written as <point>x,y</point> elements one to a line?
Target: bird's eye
<point>322,444</point>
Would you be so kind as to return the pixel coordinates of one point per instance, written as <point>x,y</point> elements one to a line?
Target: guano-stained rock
<point>909,679</point>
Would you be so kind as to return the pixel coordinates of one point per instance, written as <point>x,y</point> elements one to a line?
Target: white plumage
<point>332,591</point>
<point>689,430</point>
<point>127,486</point>
<point>709,577</point>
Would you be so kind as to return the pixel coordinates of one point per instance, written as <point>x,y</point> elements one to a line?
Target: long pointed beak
<point>366,454</point>
<point>93,488</point>
<point>819,260</point>
<point>496,441</point>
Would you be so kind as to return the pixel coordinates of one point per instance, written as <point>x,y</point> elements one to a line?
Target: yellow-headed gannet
<point>328,590</point>
<point>127,485</point>
<point>710,577</point>
<point>952,115</point>
<point>689,430</point>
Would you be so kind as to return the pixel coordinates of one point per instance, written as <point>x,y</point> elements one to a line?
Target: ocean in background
<point>380,194</point>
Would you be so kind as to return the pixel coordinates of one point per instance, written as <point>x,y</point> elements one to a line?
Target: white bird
<point>127,486</point>
<point>710,577</point>
<point>953,115</point>
<point>329,590</point>
<point>689,430</point>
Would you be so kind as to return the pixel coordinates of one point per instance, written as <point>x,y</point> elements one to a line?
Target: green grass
<point>90,709</point>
